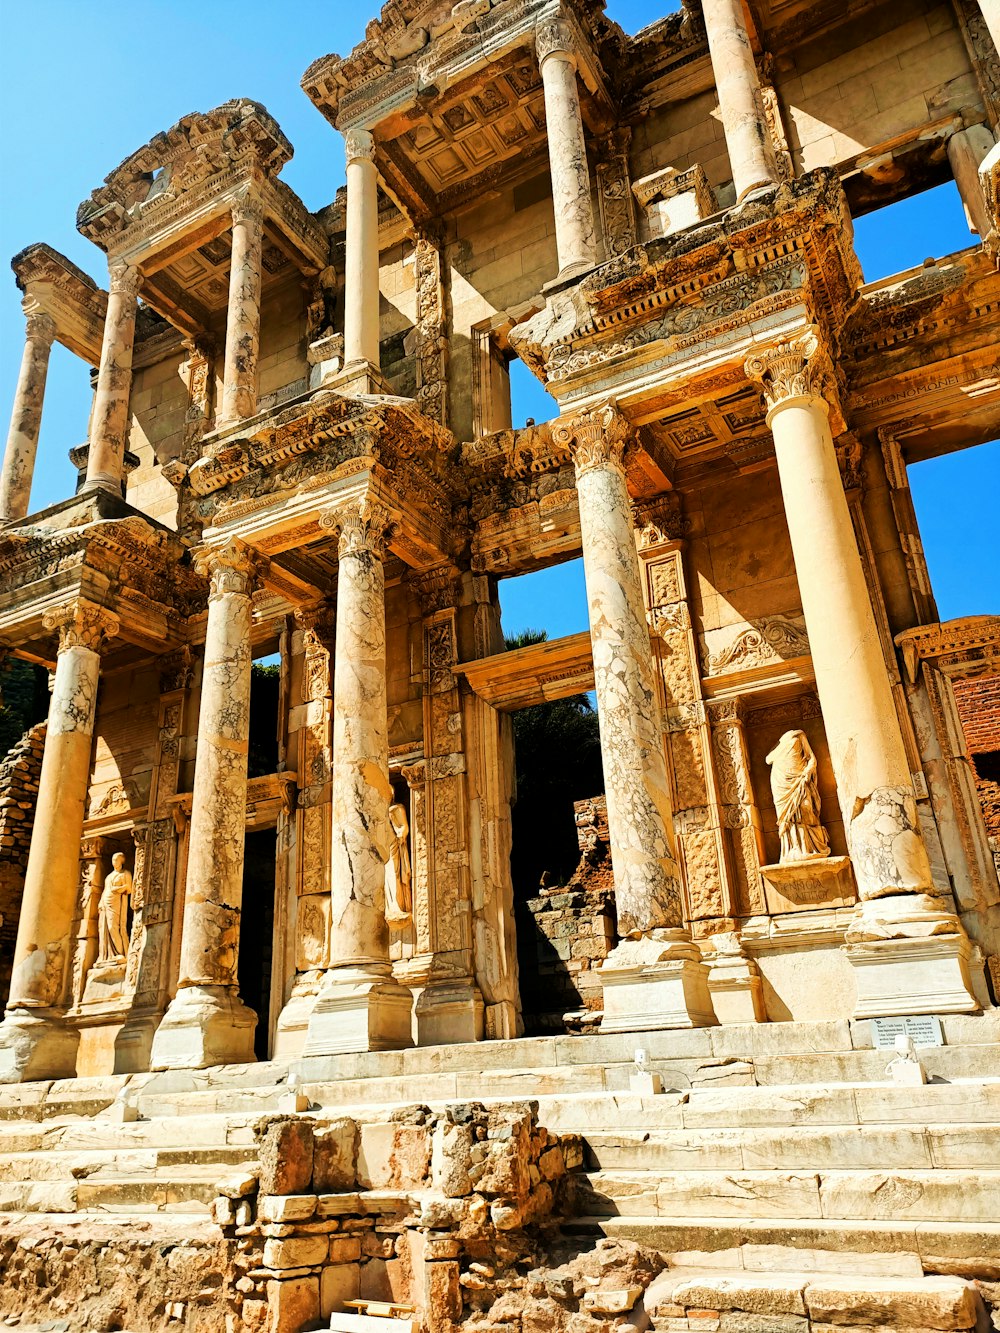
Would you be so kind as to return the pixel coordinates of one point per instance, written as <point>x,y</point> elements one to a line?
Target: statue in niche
<point>796,799</point>
<point>398,897</point>
<point>112,913</point>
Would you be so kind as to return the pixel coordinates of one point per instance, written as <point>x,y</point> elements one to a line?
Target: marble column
<point>34,1041</point>
<point>239,382</point>
<point>576,243</point>
<point>361,291</point>
<point>109,421</point>
<point>26,418</point>
<point>655,977</point>
<point>908,948</point>
<point>207,1023</point>
<point>751,155</point>
<point>360,1006</point>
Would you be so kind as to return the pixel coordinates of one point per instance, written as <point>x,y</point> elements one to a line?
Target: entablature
<point>53,285</point>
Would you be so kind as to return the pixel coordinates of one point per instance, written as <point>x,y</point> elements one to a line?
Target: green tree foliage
<point>25,693</point>
<point>557,753</point>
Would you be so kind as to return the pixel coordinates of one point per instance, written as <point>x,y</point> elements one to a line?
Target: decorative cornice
<point>81,624</point>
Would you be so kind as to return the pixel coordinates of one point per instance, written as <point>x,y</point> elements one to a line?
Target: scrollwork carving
<point>359,146</point>
<point>124,280</point>
<point>597,438</point>
<point>363,525</point>
<point>789,371</point>
<point>81,625</point>
<point>232,568</point>
<point>554,36</point>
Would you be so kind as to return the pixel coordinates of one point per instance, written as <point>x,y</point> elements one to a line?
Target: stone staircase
<point>779,1163</point>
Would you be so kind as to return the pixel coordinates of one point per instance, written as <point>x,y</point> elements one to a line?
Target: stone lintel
<point>536,674</point>
<point>53,284</point>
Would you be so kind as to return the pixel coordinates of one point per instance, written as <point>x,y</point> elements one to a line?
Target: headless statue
<point>796,798</point>
<point>398,895</point>
<point>112,913</point>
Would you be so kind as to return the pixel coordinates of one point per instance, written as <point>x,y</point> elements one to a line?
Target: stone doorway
<point>257,931</point>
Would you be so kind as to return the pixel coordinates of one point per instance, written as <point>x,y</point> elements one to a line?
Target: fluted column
<point>899,905</point>
<point>207,1023</point>
<point>576,243</point>
<point>360,1006</point>
<point>33,1042</point>
<point>109,421</point>
<point>26,417</point>
<point>361,291</point>
<point>741,106</point>
<point>239,385</point>
<point>654,978</point>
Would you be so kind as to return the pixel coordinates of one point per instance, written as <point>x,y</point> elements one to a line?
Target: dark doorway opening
<point>257,931</point>
<point>265,692</point>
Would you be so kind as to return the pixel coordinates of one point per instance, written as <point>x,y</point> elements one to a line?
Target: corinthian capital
<point>232,568</point>
<point>789,371</point>
<point>81,625</point>
<point>554,35</point>
<point>596,438</point>
<point>359,146</point>
<point>39,327</point>
<point>124,280</point>
<point>363,525</point>
<point>248,209</point>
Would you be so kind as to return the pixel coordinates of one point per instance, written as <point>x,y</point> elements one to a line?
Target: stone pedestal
<point>734,982</point>
<point>869,759</point>
<point>576,243</point>
<point>360,1005</point>
<point>658,981</point>
<point>239,388</point>
<point>207,1023</point>
<point>655,976</point>
<point>361,292</point>
<point>109,420</point>
<point>26,418</point>
<point>448,1011</point>
<point>751,155</point>
<point>34,1041</point>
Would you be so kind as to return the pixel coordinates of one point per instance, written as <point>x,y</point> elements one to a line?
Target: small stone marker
<point>642,1081</point>
<point>924,1029</point>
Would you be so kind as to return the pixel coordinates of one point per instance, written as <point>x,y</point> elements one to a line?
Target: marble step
<point>829,1245</point>
<point>208,1131</point>
<point>933,1195</point>
<point>74,1164</point>
<point>849,1296</point>
<point>187,1192</point>
<point>801,1147</point>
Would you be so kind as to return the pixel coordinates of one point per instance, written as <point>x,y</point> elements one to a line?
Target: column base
<point>293,1021</point>
<point>359,1009</point>
<point>659,981</point>
<point>204,1026</point>
<point>447,1012</point>
<point>34,1048</point>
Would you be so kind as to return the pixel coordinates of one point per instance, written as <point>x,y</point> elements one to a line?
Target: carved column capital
<point>660,520</point>
<point>363,525</point>
<point>39,327</point>
<point>81,625</point>
<point>555,36</point>
<point>230,568</point>
<point>436,589</point>
<point>359,146</point>
<point>124,280</point>
<point>596,439</point>
<point>789,372</point>
<point>248,209</point>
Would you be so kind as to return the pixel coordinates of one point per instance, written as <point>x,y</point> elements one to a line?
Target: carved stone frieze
<point>767,641</point>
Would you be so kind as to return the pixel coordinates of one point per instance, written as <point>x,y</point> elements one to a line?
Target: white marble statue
<point>398,897</point>
<point>796,798</point>
<point>112,913</point>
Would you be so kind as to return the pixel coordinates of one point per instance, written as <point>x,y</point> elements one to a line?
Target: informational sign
<point>925,1029</point>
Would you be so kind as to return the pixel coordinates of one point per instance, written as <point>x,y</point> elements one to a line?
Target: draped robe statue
<point>398,896</point>
<point>796,798</point>
<point>112,913</point>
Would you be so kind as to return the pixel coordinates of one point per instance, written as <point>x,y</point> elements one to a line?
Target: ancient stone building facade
<point>300,449</point>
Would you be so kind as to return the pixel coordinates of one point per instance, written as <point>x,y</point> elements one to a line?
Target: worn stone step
<point>934,1195</point>
<point>74,1164</point>
<point>850,1297</point>
<point>800,1147</point>
<point>119,1194</point>
<point>963,1249</point>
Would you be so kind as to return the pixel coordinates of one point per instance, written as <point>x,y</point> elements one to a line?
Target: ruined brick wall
<point>575,931</point>
<point>978,703</point>
<point>19,773</point>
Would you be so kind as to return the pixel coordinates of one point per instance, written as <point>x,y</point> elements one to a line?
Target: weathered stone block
<point>298,1252</point>
<point>286,1157</point>
<point>335,1156</point>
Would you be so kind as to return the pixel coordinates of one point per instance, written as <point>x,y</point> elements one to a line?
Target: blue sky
<point>82,86</point>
